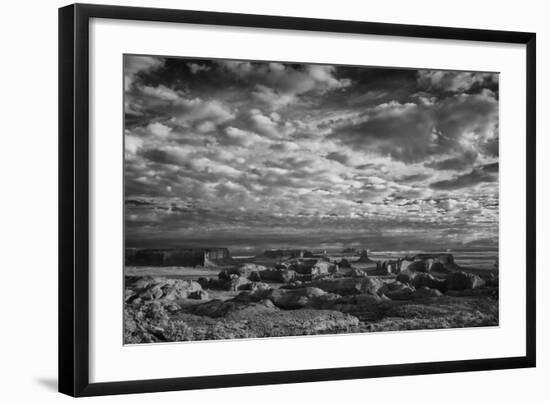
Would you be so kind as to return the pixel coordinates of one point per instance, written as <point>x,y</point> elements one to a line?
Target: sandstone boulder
<point>247,311</point>
<point>292,285</point>
<point>459,281</point>
<point>155,311</point>
<point>251,267</point>
<point>157,291</point>
<point>175,288</point>
<point>405,277</point>
<point>404,294</point>
<point>427,280</point>
<point>392,286</point>
<point>349,285</point>
<point>257,286</point>
<point>201,294</point>
<point>251,271</point>
<point>278,275</point>
<point>357,273</point>
<point>361,299</point>
<point>172,307</point>
<point>426,292</point>
<point>312,267</point>
<point>289,299</point>
<point>296,298</point>
<point>366,307</point>
<point>129,294</point>
<point>237,283</point>
<point>214,308</point>
<point>159,288</point>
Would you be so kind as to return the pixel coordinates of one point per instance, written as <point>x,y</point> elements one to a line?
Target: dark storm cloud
<point>412,132</point>
<point>400,130</point>
<point>491,168</point>
<point>491,147</point>
<point>264,154</point>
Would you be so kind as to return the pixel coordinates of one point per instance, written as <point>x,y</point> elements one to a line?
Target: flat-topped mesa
<point>187,257</point>
<point>287,253</point>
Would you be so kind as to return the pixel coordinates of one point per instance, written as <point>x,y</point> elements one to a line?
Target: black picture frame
<point>74,201</point>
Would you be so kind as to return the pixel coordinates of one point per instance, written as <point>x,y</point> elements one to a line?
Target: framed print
<point>309,199</point>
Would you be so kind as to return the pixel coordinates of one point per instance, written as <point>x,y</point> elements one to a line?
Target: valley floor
<point>180,304</point>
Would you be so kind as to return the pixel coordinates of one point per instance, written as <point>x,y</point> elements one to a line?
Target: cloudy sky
<point>254,155</point>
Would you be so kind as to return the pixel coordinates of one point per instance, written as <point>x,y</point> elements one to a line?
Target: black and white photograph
<point>272,198</point>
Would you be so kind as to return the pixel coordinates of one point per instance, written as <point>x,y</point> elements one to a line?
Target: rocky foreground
<point>251,301</point>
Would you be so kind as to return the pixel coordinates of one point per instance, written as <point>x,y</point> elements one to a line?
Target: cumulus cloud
<point>212,110</point>
<point>132,144</point>
<point>182,108</point>
<point>272,98</point>
<point>159,130</point>
<point>236,136</point>
<point>287,79</point>
<point>264,154</point>
<point>324,75</point>
<point>453,81</point>
<point>264,124</point>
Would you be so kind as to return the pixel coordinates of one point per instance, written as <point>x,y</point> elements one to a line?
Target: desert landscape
<point>277,198</point>
<point>298,292</point>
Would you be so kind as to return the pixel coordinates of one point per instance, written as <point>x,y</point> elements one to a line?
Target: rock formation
<point>301,296</point>
<point>364,257</point>
<point>187,257</point>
